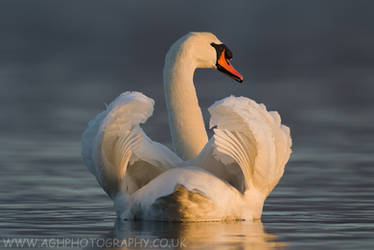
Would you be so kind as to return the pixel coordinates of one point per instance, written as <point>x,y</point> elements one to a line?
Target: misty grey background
<point>295,56</point>
<point>60,61</point>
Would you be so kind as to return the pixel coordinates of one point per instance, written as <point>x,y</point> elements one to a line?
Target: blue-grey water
<point>60,62</point>
<point>324,200</point>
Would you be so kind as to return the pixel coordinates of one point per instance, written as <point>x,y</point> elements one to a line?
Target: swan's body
<point>226,177</point>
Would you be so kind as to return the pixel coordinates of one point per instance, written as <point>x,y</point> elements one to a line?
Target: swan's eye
<point>220,48</point>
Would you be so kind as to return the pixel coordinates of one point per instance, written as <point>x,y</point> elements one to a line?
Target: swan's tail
<point>248,135</point>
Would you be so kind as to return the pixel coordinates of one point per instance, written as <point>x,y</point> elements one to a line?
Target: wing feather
<point>118,152</point>
<point>248,137</point>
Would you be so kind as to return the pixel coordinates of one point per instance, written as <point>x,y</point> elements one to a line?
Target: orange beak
<point>225,66</point>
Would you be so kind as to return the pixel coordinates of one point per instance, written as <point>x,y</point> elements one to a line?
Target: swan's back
<point>187,194</point>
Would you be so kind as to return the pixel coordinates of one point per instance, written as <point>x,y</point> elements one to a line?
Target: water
<point>324,200</point>
<point>312,61</point>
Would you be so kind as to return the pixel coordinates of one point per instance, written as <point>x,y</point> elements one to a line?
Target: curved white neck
<point>185,118</point>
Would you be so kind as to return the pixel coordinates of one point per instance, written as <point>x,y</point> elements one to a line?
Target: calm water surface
<point>324,200</point>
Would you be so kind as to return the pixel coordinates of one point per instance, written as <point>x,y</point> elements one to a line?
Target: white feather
<point>225,178</point>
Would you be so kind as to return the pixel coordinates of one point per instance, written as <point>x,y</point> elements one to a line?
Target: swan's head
<point>206,51</point>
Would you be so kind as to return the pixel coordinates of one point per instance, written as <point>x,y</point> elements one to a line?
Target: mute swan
<point>226,177</point>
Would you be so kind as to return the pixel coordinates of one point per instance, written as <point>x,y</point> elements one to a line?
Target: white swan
<point>227,177</point>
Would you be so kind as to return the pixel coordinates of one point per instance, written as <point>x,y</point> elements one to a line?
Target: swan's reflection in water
<point>156,235</point>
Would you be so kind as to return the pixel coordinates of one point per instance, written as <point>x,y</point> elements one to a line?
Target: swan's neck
<point>185,118</point>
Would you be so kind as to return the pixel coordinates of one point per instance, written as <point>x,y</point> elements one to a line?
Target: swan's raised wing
<point>118,152</point>
<point>250,146</point>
